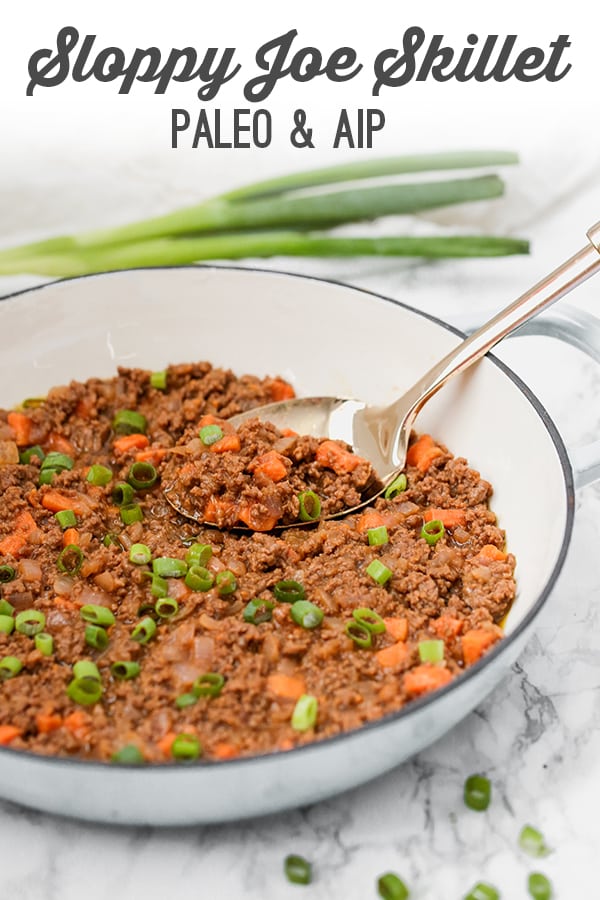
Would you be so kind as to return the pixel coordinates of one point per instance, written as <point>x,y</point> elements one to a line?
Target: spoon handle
<point>565,278</point>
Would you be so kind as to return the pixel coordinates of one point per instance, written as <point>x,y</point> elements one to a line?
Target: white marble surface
<point>537,737</point>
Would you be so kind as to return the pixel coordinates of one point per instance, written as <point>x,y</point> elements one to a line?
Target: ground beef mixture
<point>261,477</point>
<point>129,632</point>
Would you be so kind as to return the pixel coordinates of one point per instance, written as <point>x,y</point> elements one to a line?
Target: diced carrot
<point>166,742</point>
<point>223,750</point>
<point>490,553</point>
<point>129,442</point>
<point>8,733</point>
<point>281,390</point>
<point>446,627</point>
<point>23,526</point>
<point>286,744</point>
<point>84,407</point>
<point>289,686</point>
<point>397,628</point>
<point>209,419</point>
<point>475,642</point>
<point>21,425</point>
<point>65,603</point>
<point>331,456</point>
<point>55,502</point>
<point>70,536</point>
<point>422,453</point>
<point>229,442</point>
<point>154,455</point>
<point>449,518</point>
<point>289,432</point>
<point>78,723</point>
<point>12,545</point>
<point>25,523</point>
<point>271,465</point>
<point>216,509</point>
<point>392,656</point>
<point>58,443</point>
<point>47,722</point>
<point>370,519</point>
<point>258,517</point>
<point>425,678</point>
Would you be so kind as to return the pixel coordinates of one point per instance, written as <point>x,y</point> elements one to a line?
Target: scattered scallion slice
<point>144,631</point>
<point>25,456</point>
<point>57,461</point>
<point>97,615</point>
<point>96,637</point>
<point>532,841</point>
<point>158,380</point>
<point>377,537</point>
<point>369,619</point>
<point>159,586</point>
<point>306,614</point>
<point>258,611</point>
<point>142,476</point>
<point>70,559</point>
<point>198,578</point>
<point>130,513</point>
<point>398,486</point>
<point>128,421</point>
<point>185,700</point>
<point>186,746</point>
<point>361,636</point>
<point>125,670</point>
<point>7,573</point>
<point>169,567</point>
<point>44,643</point>
<point>226,583</point>
<point>99,475</point>
<point>198,554</point>
<point>378,571</point>
<point>166,607</point>
<point>539,886</point>
<point>86,687</point>
<point>6,609</point>
<point>66,518</point>
<point>7,624</point>
<point>483,891</point>
<point>310,506</point>
<point>30,622</point>
<point>210,434</point>
<point>305,713</point>
<point>208,685</point>
<point>289,591</point>
<point>431,651</point>
<point>140,554</point>
<point>123,493</point>
<point>85,668</point>
<point>297,869</point>
<point>477,792</point>
<point>433,531</point>
<point>9,667</point>
<point>129,755</point>
<point>391,887</point>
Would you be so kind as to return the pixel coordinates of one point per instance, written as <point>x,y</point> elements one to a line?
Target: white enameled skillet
<point>326,338</point>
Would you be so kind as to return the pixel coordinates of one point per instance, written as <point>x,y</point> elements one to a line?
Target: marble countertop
<point>537,737</point>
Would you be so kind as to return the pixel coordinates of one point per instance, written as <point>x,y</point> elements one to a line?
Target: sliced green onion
<point>159,587</point>
<point>305,613</point>
<point>305,713</point>
<point>130,513</point>
<point>6,609</point>
<point>33,402</point>
<point>70,559</point>
<point>169,567</point>
<point>97,615</point>
<point>166,607</point>
<point>128,421</point>
<point>142,475</point>
<point>391,887</point>
<point>110,539</point>
<point>85,668</point>
<point>57,461</point>
<point>210,434</point>
<point>26,455</point>
<point>185,700</point>
<point>129,755</point>
<point>433,531</point>
<point>297,869</point>
<point>186,746</point>
<point>289,591</point>
<point>96,637</point>
<point>123,493</point>
<point>539,887</point>
<point>7,624</point>
<point>477,792</point>
<point>532,841</point>
<point>144,631</point>
<point>66,518</point>
<point>378,571</point>
<point>198,554</point>
<point>431,651</point>
<point>483,891</point>
<point>208,685</point>
<point>158,380</point>
<point>84,690</point>
<point>258,611</point>
<point>30,622</point>
<point>398,486</point>
<point>199,579</point>
<point>140,554</point>
<point>369,619</point>
<point>99,475</point>
<point>125,670</point>
<point>46,476</point>
<point>310,506</point>
<point>44,643</point>
<point>225,582</point>
<point>9,667</point>
<point>7,573</point>
<point>361,636</point>
<point>378,536</point>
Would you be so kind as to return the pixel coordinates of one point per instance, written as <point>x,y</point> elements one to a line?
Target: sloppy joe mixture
<point>130,633</point>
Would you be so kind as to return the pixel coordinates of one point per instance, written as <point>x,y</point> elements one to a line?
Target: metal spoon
<point>381,434</point>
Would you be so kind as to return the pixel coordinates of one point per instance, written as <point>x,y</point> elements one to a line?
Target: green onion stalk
<point>283,217</point>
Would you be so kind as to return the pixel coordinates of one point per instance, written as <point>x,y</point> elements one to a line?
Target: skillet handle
<point>581,330</point>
